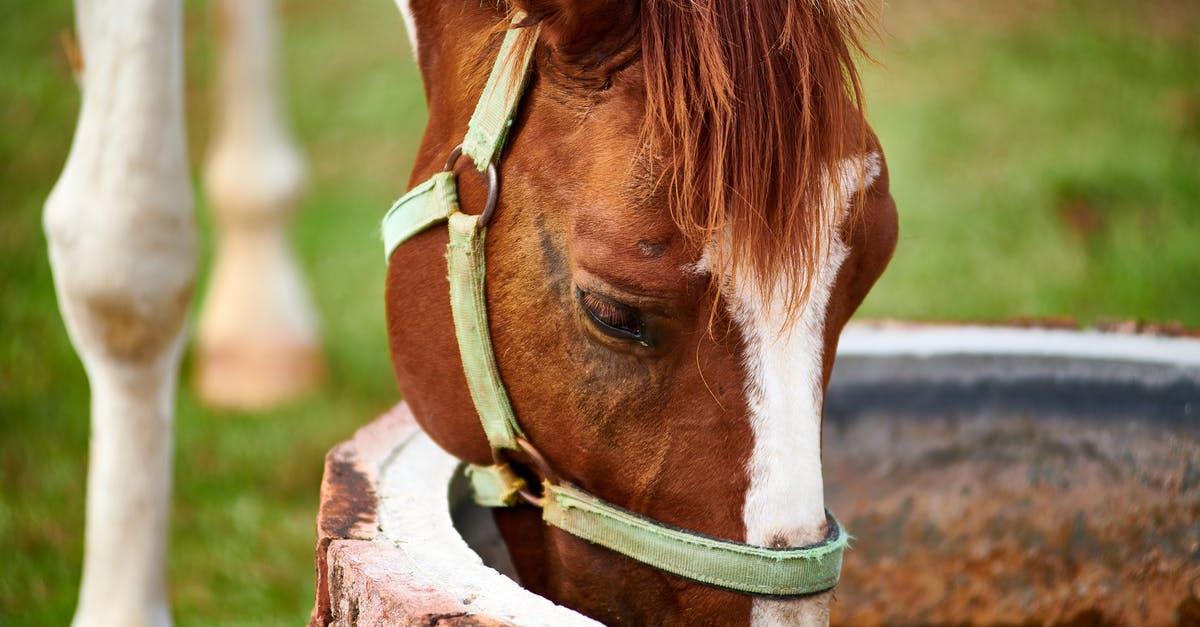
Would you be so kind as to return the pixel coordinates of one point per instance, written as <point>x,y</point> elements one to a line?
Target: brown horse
<point>692,207</point>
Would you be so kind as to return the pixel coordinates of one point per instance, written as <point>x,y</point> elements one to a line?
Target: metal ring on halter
<point>531,498</point>
<point>539,463</point>
<point>540,466</point>
<point>493,186</point>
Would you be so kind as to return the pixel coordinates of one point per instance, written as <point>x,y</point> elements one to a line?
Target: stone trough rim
<point>894,338</point>
<point>368,573</point>
<point>368,560</point>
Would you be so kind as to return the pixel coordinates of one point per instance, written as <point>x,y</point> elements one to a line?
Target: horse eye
<point>613,318</point>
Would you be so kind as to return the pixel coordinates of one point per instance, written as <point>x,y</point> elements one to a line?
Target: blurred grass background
<point>1045,157</point>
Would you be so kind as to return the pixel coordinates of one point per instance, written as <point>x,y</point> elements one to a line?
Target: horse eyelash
<point>612,314</point>
<point>607,312</point>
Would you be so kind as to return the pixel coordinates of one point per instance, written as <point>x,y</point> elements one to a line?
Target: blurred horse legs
<point>257,342</point>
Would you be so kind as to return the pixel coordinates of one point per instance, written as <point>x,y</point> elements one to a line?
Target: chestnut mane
<point>749,108</point>
<point>752,104</point>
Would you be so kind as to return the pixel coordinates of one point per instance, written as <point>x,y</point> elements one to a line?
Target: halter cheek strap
<point>735,566</point>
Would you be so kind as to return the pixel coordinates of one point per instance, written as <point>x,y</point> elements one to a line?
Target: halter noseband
<point>789,572</point>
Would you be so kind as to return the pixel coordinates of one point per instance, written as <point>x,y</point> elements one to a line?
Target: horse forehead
<point>630,246</point>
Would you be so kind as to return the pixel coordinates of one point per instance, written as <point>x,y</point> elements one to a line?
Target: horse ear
<point>577,27</point>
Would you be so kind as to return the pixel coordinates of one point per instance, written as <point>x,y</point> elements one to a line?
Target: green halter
<point>732,565</point>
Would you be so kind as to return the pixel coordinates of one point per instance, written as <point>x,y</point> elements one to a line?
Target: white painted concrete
<point>873,339</point>
<point>122,249</point>
<point>414,515</point>
<point>257,343</point>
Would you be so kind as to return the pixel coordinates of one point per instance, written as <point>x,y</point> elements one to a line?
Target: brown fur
<point>661,430</point>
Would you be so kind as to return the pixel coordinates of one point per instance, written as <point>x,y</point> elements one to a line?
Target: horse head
<point>690,207</point>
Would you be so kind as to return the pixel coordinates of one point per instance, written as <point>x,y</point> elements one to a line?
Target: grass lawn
<point>1045,157</point>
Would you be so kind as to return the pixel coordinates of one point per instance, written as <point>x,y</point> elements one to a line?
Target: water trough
<point>990,475</point>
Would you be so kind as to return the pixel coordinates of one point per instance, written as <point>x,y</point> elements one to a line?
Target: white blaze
<point>785,503</point>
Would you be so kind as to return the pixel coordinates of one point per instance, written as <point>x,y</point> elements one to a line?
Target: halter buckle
<point>493,180</point>
<point>540,466</point>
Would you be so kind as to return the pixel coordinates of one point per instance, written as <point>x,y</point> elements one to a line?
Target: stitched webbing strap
<point>465,258</point>
<point>732,565</point>
<point>497,485</point>
<point>497,106</point>
<point>422,207</point>
<point>435,199</point>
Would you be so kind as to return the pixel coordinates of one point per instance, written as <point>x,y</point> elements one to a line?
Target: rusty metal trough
<point>990,475</point>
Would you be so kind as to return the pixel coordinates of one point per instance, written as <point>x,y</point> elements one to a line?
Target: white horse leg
<point>122,250</point>
<point>257,342</point>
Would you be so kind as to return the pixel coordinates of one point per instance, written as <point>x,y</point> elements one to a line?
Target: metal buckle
<point>493,180</point>
<point>540,466</point>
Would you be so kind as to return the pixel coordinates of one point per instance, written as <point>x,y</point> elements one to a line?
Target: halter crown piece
<point>736,566</point>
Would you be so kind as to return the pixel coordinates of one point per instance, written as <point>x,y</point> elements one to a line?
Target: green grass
<point>1045,158</point>
<point>1045,162</point>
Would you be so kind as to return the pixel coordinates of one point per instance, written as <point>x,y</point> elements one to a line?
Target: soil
<point>978,520</point>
